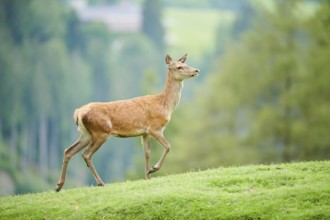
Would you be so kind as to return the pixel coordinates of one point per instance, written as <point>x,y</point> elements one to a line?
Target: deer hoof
<point>58,188</point>
<point>153,169</point>
<point>101,184</point>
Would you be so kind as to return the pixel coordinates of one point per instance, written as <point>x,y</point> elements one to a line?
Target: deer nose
<point>196,72</point>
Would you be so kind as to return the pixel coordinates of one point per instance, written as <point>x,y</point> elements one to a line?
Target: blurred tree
<point>246,14</point>
<point>267,100</point>
<point>129,72</point>
<point>152,25</point>
<point>52,63</point>
<point>37,76</point>
<point>30,31</point>
<point>244,18</point>
<point>312,92</point>
<point>96,52</point>
<point>95,2</point>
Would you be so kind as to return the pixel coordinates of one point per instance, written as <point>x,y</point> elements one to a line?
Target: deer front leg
<point>162,140</point>
<point>68,154</point>
<point>147,150</point>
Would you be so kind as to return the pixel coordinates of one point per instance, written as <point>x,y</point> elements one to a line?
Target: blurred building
<point>123,17</point>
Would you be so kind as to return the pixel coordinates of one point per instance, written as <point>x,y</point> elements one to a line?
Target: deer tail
<point>75,116</point>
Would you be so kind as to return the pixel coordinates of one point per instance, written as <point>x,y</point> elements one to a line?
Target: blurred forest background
<point>263,95</point>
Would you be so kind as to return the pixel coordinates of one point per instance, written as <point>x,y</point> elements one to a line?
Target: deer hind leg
<point>162,140</point>
<point>147,150</point>
<point>68,154</point>
<point>89,152</point>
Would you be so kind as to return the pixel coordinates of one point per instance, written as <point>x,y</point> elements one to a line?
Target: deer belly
<point>124,134</point>
<point>128,129</point>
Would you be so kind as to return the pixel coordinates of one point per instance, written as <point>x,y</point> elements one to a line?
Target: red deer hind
<point>145,116</point>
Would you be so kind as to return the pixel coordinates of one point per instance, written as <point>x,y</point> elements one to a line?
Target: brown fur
<point>145,116</point>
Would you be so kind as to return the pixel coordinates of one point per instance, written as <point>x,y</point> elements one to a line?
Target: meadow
<point>277,191</point>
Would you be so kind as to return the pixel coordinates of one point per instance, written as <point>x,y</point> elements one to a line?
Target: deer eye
<point>180,68</point>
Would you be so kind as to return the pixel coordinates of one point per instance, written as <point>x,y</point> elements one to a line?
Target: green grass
<point>283,191</point>
<point>193,31</point>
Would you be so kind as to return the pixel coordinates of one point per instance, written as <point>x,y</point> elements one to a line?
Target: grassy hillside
<point>284,191</point>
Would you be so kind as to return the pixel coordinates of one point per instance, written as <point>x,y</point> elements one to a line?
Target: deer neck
<point>172,92</point>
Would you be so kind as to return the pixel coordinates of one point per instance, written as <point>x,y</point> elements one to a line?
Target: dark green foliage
<point>152,25</point>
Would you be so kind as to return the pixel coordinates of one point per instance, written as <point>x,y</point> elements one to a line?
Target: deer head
<point>179,70</point>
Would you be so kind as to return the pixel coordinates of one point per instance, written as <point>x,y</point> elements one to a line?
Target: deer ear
<point>168,59</point>
<point>183,59</point>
